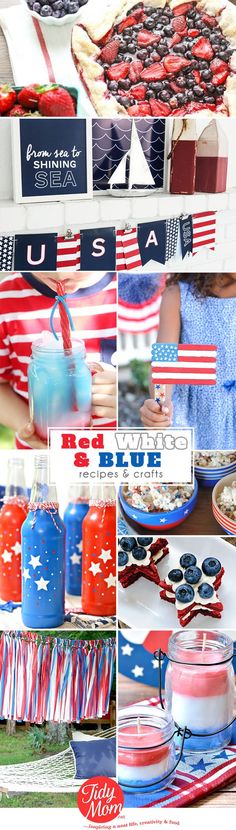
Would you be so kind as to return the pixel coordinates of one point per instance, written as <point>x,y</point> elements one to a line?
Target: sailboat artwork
<point>133,170</point>
<point>128,155</point>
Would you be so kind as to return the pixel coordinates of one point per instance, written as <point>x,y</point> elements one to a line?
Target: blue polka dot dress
<point>211,410</point>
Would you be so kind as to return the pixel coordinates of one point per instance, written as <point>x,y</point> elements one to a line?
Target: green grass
<point>7,438</point>
<point>16,750</point>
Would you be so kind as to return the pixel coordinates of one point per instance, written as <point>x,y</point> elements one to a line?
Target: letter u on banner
<point>36,250</point>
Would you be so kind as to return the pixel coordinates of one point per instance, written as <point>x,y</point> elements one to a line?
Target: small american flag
<point>204,231</point>
<point>68,253</point>
<point>184,363</point>
<point>127,250</point>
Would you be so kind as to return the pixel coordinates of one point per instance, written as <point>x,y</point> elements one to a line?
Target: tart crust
<point>101,16</point>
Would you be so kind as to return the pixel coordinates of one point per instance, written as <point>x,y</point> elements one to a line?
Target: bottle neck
<point>16,485</point>
<point>103,495</point>
<point>42,491</point>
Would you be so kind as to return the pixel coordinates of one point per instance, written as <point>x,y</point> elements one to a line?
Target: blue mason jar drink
<point>43,555</point>
<point>74,515</point>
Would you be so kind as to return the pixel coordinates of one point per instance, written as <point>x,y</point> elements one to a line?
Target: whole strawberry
<point>56,102</point>
<point>29,96</point>
<point>7,98</point>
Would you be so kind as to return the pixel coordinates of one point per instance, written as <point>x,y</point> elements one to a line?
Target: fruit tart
<point>158,58</point>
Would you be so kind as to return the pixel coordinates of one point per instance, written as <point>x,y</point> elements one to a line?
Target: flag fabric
<point>127,250</point>
<point>172,230</point>
<point>204,231</point>
<point>184,363</point>
<point>68,253</point>
<point>7,244</point>
<point>141,317</point>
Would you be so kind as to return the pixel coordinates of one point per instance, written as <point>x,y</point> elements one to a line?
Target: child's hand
<point>31,438</point>
<point>153,415</point>
<point>104,391</point>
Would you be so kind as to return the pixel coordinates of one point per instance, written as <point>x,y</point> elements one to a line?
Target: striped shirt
<point>25,308</point>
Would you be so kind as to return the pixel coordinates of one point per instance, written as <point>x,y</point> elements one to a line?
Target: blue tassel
<point>63,301</point>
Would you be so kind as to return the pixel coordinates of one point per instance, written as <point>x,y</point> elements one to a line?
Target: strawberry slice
<point>138,92</point>
<point>202,49</point>
<point>218,66</point>
<point>220,77</point>
<point>179,111</point>
<point>139,109</point>
<point>197,76</point>
<point>174,63</point>
<point>175,39</point>
<point>110,51</point>
<point>155,72</point>
<point>211,21</point>
<point>179,24</point>
<point>175,87</point>
<point>118,71</point>
<point>195,107</point>
<point>135,69</point>
<point>193,32</point>
<point>158,107</point>
<point>147,38</point>
<point>106,38</point>
<point>182,9</point>
<point>134,18</point>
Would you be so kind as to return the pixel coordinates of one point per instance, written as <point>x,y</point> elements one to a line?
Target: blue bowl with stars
<point>209,476</point>
<point>160,521</point>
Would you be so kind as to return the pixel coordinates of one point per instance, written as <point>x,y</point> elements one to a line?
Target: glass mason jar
<point>59,385</point>
<point>199,687</point>
<point>146,749</point>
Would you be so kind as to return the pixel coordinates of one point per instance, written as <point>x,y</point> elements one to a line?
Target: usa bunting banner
<point>204,231</point>
<point>127,250</point>
<point>98,249</point>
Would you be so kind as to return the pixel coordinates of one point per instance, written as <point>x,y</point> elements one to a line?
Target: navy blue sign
<point>53,158</point>
<point>186,235</point>
<point>98,249</point>
<point>128,154</point>
<point>152,241</point>
<point>36,252</point>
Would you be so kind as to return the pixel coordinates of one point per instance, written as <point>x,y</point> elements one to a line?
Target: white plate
<point>140,604</point>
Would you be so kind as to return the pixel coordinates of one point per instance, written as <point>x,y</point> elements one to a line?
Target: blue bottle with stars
<point>43,555</point>
<point>73,519</point>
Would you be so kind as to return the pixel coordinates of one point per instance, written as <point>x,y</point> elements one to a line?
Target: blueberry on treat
<point>211,566</point>
<point>122,558</point>
<point>187,560</point>
<point>139,553</point>
<point>205,590</point>
<point>127,542</point>
<point>175,575</point>
<point>192,575</point>
<point>184,593</point>
<point>144,541</point>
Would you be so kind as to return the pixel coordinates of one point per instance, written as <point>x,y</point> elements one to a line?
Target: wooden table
<point>129,691</point>
<point>200,522</point>
<point>6,76</point>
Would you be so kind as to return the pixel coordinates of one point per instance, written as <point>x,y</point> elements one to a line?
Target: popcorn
<point>214,459</point>
<point>226,501</point>
<point>157,497</point>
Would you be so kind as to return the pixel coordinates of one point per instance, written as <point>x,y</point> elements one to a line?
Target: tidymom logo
<point>100,799</point>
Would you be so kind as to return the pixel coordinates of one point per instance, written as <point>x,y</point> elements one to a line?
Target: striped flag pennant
<point>184,363</point>
<point>68,253</point>
<point>204,231</point>
<point>127,250</point>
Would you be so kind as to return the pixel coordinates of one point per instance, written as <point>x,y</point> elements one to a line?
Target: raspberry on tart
<point>158,57</point>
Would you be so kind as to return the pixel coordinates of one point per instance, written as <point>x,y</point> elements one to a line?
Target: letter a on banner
<point>152,241</point>
<point>36,251</point>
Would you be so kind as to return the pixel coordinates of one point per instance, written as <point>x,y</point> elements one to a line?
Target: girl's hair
<point>203,285</point>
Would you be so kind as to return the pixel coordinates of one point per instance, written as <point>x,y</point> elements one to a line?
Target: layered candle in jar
<point>59,384</point>
<point>12,515</point>
<point>199,687</point>
<point>74,515</point>
<point>99,553</point>
<point>146,749</point>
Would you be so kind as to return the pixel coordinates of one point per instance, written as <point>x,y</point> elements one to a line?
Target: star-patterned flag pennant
<point>35,252</point>
<point>68,252</point>
<point>204,231</point>
<point>172,230</point>
<point>184,363</point>
<point>98,249</point>
<point>186,235</point>
<point>127,250</point>
<point>7,244</point>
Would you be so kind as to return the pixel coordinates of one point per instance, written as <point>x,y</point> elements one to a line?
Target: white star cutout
<point>6,556</point>
<point>17,548</point>
<point>186,512</point>
<point>111,580</point>
<point>95,568</point>
<point>105,555</point>
<point>138,671</point>
<point>42,584</point>
<point>155,664</point>
<point>162,521</point>
<point>79,546</point>
<point>35,562</point>
<point>127,649</point>
<point>26,573</point>
<point>75,559</point>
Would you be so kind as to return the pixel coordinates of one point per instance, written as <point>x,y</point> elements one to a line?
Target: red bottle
<point>12,516</point>
<point>99,553</point>
<point>212,160</point>
<point>183,156</point>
